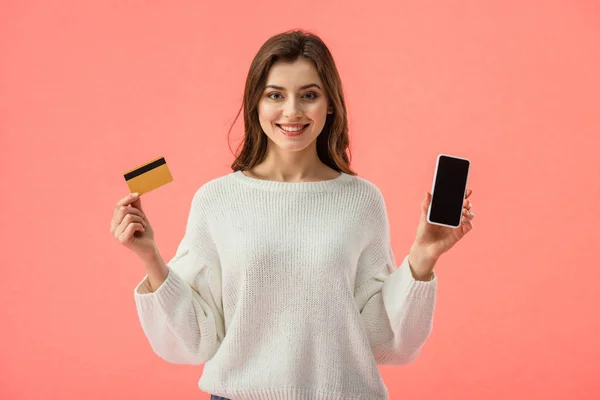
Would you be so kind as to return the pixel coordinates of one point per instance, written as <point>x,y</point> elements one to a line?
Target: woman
<point>284,284</point>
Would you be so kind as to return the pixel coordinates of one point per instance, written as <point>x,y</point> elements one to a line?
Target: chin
<point>293,145</point>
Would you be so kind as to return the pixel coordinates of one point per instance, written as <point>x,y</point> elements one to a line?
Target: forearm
<point>408,305</point>
<point>182,325</point>
<point>156,269</point>
<point>409,334</point>
<point>421,265</point>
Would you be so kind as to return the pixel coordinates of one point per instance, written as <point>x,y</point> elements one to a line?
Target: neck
<point>287,166</point>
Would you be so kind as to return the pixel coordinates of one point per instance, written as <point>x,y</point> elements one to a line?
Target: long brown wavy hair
<point>333,143</point>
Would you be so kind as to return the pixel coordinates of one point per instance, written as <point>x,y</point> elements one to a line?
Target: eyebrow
<point>301,88</point>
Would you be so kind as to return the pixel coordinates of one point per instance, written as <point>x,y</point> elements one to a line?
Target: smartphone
<point>448,191</point>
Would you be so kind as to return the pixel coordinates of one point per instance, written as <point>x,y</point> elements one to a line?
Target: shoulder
<point>210,192</point>
<point>212,185</point>
<point>373,207</point>
<point>369,191</point>
<point>367,185</point>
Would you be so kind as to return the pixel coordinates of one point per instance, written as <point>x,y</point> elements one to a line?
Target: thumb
<point>425,203</point>
<point>138,204</point>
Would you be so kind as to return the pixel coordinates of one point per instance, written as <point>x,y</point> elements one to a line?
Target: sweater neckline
<point>279,186</point>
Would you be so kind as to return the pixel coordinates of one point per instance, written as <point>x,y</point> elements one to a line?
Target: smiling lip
<point>291,125</point>
<point>292,134</point>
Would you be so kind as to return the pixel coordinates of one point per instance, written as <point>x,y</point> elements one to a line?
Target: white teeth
<point>290,129</point>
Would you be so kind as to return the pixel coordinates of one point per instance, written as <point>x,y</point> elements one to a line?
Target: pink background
<point>89,90</point>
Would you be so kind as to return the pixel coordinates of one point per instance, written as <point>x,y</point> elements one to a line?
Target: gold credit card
<point>149,176</point>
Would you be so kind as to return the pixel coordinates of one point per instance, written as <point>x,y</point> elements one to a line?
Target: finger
<point>138,204</point>
<point>125,201</point>
<point>129,218</point>
<point>124,210</point>
<point>467,204</point>
<point>468,213</point>
<point>118,231</point>
<point>122,230</point>
<point>469,192</point>
<point>120,214</point>
<point>128,201</point>
<point>129,231</point>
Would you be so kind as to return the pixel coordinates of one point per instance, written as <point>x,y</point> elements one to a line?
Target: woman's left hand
<point>434,240</point>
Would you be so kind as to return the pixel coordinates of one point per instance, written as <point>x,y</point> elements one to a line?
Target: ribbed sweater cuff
<point>167,296</point>
<point>401,285</point>
<point>402,292</point>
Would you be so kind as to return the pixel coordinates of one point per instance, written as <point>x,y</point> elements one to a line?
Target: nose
<point>292,109</point>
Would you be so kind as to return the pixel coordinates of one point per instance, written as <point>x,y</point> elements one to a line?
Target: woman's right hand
<point>132,229</point>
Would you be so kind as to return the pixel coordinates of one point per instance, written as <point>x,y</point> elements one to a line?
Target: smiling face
<point>294,97</point>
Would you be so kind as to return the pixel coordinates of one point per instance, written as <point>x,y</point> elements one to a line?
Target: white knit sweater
<point>288,290</point>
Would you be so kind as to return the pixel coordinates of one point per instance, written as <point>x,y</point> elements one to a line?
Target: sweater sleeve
<point>183,318</point>
<point>396,309</point>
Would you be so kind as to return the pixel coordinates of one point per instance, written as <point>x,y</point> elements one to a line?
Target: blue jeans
<point>213,397</point>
